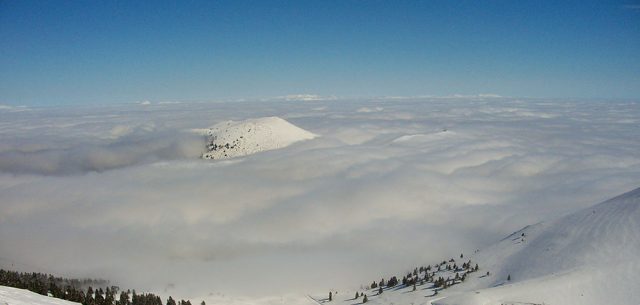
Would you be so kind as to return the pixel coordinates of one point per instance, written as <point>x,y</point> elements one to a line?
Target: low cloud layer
<point>119,192</point>
<point>89,157</point>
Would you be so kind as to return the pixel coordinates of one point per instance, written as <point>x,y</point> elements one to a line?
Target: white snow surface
<point>235,139</point>
<point>587,257</point>
<point>15,296</point>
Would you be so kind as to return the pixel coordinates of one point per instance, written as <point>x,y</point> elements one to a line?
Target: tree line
<point>81,291</point>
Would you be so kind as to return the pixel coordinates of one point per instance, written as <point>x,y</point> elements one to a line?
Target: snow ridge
<point>588,257</point>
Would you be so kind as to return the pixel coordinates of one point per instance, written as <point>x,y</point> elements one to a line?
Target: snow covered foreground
<point>15,296</point>
<point>235,139</point>
<point>588,257</point>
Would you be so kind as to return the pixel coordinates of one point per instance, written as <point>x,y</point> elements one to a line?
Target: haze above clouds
<point>120,191</point>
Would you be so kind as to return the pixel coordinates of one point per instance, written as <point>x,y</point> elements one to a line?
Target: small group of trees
<point>80,291</point>
<point>422,274</point>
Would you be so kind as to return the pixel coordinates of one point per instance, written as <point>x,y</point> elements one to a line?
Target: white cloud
<point>369,109</point>
<point>120,193</point>
<point>305,97</point>
<point>10,108</point>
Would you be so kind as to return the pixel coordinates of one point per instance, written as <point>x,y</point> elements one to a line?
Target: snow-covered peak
<point>240,138</point>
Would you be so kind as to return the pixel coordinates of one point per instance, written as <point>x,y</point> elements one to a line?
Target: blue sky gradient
<point>86,52</point>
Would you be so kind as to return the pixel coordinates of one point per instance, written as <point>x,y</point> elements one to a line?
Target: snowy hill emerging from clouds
<point>234,139</point>
<point>15,296</point>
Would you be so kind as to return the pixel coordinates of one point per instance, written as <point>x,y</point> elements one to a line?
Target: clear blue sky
<point>61,52</point>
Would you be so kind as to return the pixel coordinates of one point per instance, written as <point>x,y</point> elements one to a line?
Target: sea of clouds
<point>119,192</point>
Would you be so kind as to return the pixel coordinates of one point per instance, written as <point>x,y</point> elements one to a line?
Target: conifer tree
<point>171,301</point>
<point>124,298</point>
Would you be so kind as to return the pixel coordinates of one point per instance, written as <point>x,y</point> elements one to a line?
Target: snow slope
<point>234,139</point>
<point>588,257</point>
<point>15,296</point>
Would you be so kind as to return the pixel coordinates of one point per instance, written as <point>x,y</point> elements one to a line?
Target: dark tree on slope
<point>392,281</point>
<point>124,298</point>
<point>171,301</point>
<point>89,300</point>
<point>364,300</point>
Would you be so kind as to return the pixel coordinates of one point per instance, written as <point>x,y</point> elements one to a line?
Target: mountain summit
<point>240,138</point>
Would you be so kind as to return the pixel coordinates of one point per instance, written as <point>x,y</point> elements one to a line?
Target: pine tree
<point>364,300</point>
<point>357,296</point>
<point>330,296</point>
<point>509,277</point>
<point>124,298</point>
<point>171,301</point>
<point>89,300</point>
<point>380,290</point>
